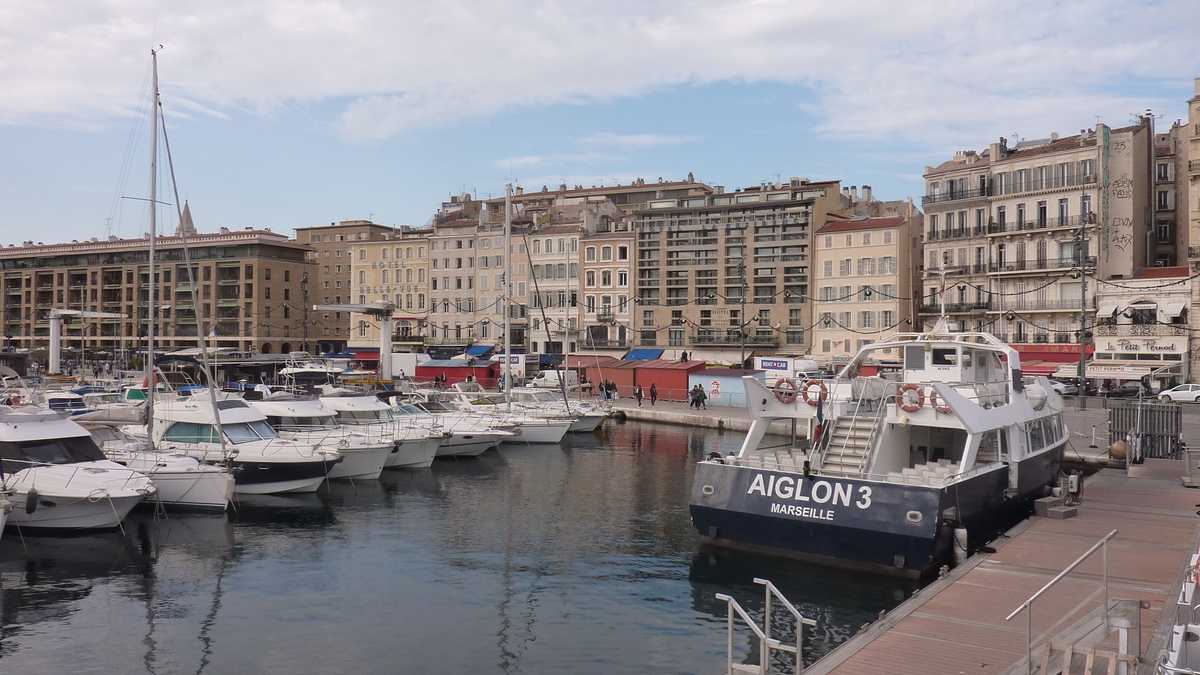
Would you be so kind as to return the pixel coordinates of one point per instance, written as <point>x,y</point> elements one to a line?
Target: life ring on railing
<point>911,406</point>
<point>15,400</point>
<point>937,404</point>
<point>822,392</point>
<point>786,390</point>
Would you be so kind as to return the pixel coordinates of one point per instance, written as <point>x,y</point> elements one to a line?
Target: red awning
<point>1039,367</point>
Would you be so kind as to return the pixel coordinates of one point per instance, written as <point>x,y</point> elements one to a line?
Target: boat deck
<point>956,625</point>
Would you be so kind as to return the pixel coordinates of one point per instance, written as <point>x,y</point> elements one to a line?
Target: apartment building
<point>1188,165</point>
<point>863,287</point>
<point>1006,227</point>
<point>727,274</point>
<point>626,197</point>
<point>331,280</point>
<point>246,286</point>
<point>396,270</point>
<point>607,269</point>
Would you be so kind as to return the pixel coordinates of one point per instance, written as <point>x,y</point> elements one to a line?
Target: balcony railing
<point>1037,265</point>
<point>1029,305</point>
<point>1140,330</point>
<point>734,338</point>
<point>954,233</point>
<point>1194,166</point>
<point>1030,225</point>
<point>955,307</point>
<point>954,195</point>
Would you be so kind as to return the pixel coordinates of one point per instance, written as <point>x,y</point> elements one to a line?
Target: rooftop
<point>224,236</point>
<point>861,224</point>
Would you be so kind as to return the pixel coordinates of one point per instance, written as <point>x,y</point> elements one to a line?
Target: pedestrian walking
<point>701,397</point>
<point>637,393</point>
<point>653,393</point>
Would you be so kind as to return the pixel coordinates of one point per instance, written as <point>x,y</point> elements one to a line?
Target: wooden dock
<point>956,625</point>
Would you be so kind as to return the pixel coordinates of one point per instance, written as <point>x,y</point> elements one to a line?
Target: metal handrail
<point>1028,604</point>
<point>801,622</point>
<point>765,643</point>
<point>1164,669</point>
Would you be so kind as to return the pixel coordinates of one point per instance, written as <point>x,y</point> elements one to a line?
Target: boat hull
<point>587,423</point>
<point>467,445</point>
<point>540,433</point>
<point>413,454</point>
<point>207,490</point>
<point>360,463</point>
<point>71,513</point>
<point>266,478</point>
<point>884,527</point>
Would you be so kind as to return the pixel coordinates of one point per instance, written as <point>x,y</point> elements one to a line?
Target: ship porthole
<point>914,517</point>
<point>708,490</point>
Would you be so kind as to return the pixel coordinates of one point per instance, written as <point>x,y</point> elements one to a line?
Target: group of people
<point>639,394</point>
<point>608,390</point>
<point>697,398</point>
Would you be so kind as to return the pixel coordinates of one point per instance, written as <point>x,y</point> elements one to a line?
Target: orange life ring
<point>907,406</point>
<point>938,404</point>
<point>822,392</point>
<point>786,394</point>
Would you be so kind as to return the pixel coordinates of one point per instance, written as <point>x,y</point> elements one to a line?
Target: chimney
<point>854,194</point>
<point>1053,136</point>
<point>1197,86</point>
<point>520,190</point>
<point>866,193</point>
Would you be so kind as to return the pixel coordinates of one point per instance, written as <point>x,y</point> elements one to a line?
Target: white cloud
<point>918,73</point>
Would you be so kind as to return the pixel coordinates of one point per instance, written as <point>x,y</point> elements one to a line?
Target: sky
<point>284,114</point>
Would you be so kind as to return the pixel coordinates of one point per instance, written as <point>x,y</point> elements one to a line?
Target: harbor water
<point>577,558</point>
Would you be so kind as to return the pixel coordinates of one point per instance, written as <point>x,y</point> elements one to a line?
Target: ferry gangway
<point>766,643</point>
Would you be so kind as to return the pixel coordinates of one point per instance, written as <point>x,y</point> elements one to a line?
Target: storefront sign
<point>1142,345</point>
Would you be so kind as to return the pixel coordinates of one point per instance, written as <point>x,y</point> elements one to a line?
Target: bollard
<point>1093,445</point>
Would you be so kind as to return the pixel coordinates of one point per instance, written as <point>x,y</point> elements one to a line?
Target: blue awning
<point>480,351</point>
<point>643,354</point>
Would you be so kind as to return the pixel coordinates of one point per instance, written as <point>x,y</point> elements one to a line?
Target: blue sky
<point>283,117</point>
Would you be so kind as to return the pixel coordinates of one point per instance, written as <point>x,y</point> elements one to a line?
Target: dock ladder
<point>766,643</point>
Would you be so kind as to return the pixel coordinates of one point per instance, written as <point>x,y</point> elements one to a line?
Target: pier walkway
<point>956,624</point>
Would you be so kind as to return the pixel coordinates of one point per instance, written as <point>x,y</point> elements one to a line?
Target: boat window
<point>135,394</point>
<point>239,433</point>
<point>364,416</point>
<point>263,429</point>
<point>914,357</point>
<point>944,357</point>
<point>988,445</point>
<point>17,455</point>
<point>1036,438</point>
<point>190,432</point>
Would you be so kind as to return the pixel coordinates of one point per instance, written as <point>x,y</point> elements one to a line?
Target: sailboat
<point>179,479</point>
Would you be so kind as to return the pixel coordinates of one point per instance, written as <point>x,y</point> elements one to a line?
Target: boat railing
<point>1027,606</point>
<point>766,643</point>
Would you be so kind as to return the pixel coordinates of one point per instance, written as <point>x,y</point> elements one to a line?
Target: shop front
<point>1132,352</point>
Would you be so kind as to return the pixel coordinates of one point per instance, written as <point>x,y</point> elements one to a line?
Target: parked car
<point>1065,388</point>
<point>1183,392</point>
<point>1124,390</point>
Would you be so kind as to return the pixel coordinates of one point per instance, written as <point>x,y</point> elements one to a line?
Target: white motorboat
<point>588,416</point>
<point>261,461</point>
<point>413,447</point>
<point>898,468</point>
<point>364,454</point>
<point>180,480</point>
<point>532,427</point>
<point>67,402</point>
<point>467,434</point>
<point>58,478</point>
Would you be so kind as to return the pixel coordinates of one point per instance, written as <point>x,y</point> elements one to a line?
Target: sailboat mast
<point>152,308</point>
<point>507,294</point>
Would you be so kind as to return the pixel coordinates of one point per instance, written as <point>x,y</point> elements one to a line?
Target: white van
<point>553,379</point>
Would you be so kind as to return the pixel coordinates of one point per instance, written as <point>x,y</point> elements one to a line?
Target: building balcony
<point>1194,166</point>
<point>954,195</point>
<point>995,229</point>
<point>956,307</point>
<point>229,302</point>
<point>955,233</point>
<point>1023,305</point>
<point>1037,265</point>
<point>731,339</point>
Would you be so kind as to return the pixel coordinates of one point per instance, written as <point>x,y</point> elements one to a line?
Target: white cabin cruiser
<point>463,434</point>
<point>532,427</point>
<point>180,480</point>
<point>261,461</point>
<point>67,402</point>
<point>588,416</point>
<point>311,421</point>
<point>412,447</point>
<point>896,466</point>
<point>58,478</point>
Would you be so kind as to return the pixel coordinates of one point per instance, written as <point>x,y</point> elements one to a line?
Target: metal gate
<point>1157,428</point>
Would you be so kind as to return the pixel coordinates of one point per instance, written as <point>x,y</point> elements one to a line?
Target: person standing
<point>653,393</point>
<point>701,398</point>
<point>637,393</point>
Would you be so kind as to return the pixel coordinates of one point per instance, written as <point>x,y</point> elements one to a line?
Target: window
<point>589,253</point>
<point>866,238</point>
<point>590,278</point>
<point>189,432</point>
<point>828,268</point>
<point>622,253</point>
<point>606,278</point>
<point>1085,208</point>
<point>1162,171</point>
<point>362,254</point>
<point>622,278</point>
<point>844,268</point>
<point>887,237</point>
<point>606,253</point>
<point>828,242</point>
<point>1162,199</point>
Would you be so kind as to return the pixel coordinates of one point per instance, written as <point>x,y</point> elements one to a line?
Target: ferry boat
<point>946,452</point>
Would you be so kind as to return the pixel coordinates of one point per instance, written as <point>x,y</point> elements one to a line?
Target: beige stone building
<point>331,280</point>
<point>728,274</point>
<point>246,283</point>
<point>862,284</point>
<point>607,270</point>
<point>396,270</point>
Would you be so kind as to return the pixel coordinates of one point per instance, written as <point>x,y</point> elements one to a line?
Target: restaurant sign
<point>1142,345</point>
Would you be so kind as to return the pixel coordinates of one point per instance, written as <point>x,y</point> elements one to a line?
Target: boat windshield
<point>244,432</point>
<point>65,403</point>
<point>364,416</point>
<point>409,409</point>
<point>288,421</point>
<point>17,455</point>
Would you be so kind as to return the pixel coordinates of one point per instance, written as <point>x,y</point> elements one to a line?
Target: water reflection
<point>579,558</point>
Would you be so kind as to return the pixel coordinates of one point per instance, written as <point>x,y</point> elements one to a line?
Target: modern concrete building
<point>330,282</point>
<point>396,270</point>
<point>247,286</point>
<point>727,275</point>
<point>862,284</point>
